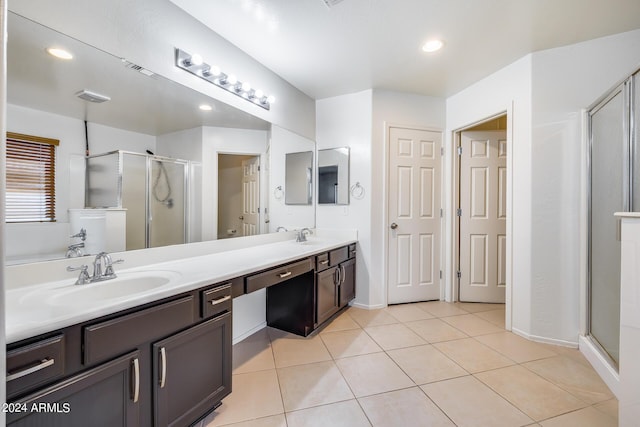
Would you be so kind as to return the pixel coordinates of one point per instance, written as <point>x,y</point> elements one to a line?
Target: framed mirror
<point>333,176</point>
<point>298,178</point>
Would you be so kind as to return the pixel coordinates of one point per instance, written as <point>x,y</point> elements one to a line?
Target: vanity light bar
<point>195,65</point>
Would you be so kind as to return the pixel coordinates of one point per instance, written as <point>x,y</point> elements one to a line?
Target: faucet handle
<point>83,267</point>
<point>82,234</point>
<point>83,277</point>
<point>108,271</point>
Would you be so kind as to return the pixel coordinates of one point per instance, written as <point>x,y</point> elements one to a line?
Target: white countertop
<point>30,311</point>
<point>627,214</point>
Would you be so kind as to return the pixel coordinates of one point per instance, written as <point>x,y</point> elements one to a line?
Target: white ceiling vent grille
<point>90,96</point>
<point>138,68</point>
<point>331,3</point>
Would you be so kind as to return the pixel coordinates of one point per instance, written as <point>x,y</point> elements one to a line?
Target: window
<point>30,192</point>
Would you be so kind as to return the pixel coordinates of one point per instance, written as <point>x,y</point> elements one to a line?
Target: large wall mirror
<point>298,178</point>
<point>333,176</point>
<point>152,125</point>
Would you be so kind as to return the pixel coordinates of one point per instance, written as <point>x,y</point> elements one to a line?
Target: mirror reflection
<point>140,113</point>
<point>333,176</point>
<point>298,177</point>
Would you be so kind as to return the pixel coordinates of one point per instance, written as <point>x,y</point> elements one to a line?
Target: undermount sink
<point>125,285</point>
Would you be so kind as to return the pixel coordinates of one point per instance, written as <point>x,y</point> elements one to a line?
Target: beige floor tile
<point>494,316</point>
<point>372,374</point>
<point>572,353</point>
<point>290,350</point>
<point>587,417</point>
<point>394,336</point>
<point>473,356</point>
<point>344,322</point>
<point>441,308</point>
<point>255,395</point>
<point>310,385</point>
<point>407,408</point>
<point>342,414</point>
<point>469,403</point>
<point>425,364</point>
<point>273,421</point>
<point>609,407</point>
<point>253,353</point>
<point>579,380</point>
<point>435,330</point>
<point>349,343</point>
<point>515,347</point>
<point>533,395</point>
<point>477,307</point>
<point>371,317</point>
<point>408,312</point>
<point>472,325</point>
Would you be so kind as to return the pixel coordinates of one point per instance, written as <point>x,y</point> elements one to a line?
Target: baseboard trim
<point>249,332</point>
<point>545,340</point>
<point>609,375</point>
<point>368,307</point>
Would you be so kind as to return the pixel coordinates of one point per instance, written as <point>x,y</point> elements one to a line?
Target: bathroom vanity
<point>168,361</point>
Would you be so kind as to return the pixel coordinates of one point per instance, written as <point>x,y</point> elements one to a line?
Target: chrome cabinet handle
<point>44,363</point>
<point>325,262</point>
<point>220,301</point>
<point>136,380</point>
<point>163,366</point>
<point>343,274</point>
<point>287,274</point>
<point>394,225</point>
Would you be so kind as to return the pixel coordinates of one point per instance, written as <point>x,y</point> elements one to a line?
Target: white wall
<point>52,238</point>
<point>565,81</point>
<point>509,89</point>
<point>280,214</point>
<point>146,32</point>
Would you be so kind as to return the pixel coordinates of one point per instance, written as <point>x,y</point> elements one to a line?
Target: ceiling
<point>362,44</point>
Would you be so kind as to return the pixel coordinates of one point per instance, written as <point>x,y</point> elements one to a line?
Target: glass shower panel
<point>102,181</point>
<point>167,203</point>
<point>635,121</point>
<point>134,196</point>
<point>608,174</point>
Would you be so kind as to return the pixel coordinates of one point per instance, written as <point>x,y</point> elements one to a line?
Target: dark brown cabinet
<point>347,288</point>
<point>105,396</point>
<point>335,282</point>
<point>192,372</point>
<point>327,303</point>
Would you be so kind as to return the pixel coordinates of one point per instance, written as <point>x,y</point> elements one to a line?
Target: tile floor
<point>423,364</point>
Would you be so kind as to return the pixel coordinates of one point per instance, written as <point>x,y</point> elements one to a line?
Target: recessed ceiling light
<point>206,107</point>
<point>433,45</point>
<point>59,53</point>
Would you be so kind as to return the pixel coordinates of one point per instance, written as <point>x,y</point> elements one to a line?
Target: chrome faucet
<point>74,250</point>
<point>281,228</point>
<point>302,235</point>
<point>103,259</point>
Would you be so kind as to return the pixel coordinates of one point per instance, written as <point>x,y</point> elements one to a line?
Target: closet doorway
<point>481,213</point>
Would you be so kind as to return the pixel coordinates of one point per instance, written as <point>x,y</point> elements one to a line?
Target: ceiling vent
<point>138,68</point>
<point>331,3</point>
<point>87,95</point>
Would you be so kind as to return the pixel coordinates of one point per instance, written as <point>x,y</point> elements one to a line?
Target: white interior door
<point>250,196</point>
<point>414,215</point>
<point>483,216</point>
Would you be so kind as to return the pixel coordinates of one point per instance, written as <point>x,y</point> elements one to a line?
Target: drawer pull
<point>220,300</point>
<point>136,380</point>
<point>325,262</point>
<point>44,363</point>
<point>283,275</point>
<point>163,366</point>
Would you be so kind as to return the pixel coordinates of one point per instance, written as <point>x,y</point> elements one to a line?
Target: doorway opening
<point>480,170</point>
<point>238,195</point>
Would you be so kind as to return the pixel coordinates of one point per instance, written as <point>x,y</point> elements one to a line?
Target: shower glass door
<point>610,193</point>
<point>167,210</point>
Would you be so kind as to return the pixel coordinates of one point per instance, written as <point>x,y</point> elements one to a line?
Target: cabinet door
<point>105,396</point>
<point>192,372</point>
<point>347,282</point>
<point>326,294</point>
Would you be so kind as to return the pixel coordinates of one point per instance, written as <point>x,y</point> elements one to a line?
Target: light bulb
<point>196,59</point>
<point>258,93</point>
<point>205,107</point>
<point>271,99</point>
<point>214,70</point>
<point>246,86</point>
<point>232,79</point>
<point>59,53</point>
<point>432,45</point>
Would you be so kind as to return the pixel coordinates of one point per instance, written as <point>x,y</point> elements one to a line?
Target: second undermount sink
<point>125,285</point>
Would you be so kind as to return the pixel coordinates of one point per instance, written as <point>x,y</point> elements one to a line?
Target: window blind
<point>30,188</point>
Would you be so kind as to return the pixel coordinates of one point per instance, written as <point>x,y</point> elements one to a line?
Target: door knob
<point>241,217</point>
<point>394,225</point>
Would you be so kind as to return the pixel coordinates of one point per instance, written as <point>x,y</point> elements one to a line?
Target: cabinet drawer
<point>336,256</point>
<point>35,364</point>
<point>116,336</point>
<point>216,300</point>
<point>322,261</point>
<point>352,250</point>
<point>277,275</point>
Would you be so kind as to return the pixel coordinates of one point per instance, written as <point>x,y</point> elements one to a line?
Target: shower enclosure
<point>154,190</point>
<point>614,186</point>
